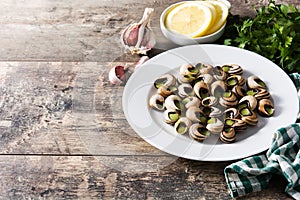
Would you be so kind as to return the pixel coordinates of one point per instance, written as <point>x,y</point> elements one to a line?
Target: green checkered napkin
<point>283,157</point>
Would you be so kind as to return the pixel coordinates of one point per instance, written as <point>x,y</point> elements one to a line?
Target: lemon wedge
<point>221,16</point>
<point>191,19</point>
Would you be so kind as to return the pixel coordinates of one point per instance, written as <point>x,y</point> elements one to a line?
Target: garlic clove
<point>138,38</point>
<point>120,74</point>
<point>141,61</point>
<point>130,35</point>
<point>117,75</point>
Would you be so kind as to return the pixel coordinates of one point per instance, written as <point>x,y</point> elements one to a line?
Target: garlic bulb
<point>138,38</point>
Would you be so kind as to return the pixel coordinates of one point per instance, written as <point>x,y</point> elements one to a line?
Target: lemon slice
<point>222,13</point>
<point>190,19</point>
<point>213,13</point>
<point>226,2</point>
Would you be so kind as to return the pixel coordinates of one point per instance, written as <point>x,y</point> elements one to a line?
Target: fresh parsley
<point>274,33</point>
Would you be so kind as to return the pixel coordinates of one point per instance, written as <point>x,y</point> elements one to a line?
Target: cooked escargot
<point>235,80</point>
<point>259,93</point>
<point>157,101</point>
<point>206,110</point>
<point>227,135</point>
<point>249,116</point>
<point>206,78</point>
<point>198,132</point>
<point>209,101</point>
<point>217,88</point>
<point>182,125</point>
<point>228,99</point>
<point>201,90</point>
<point>171,116</point>
<point>185,90</point>
<point>195,114</point>
<point>237,124</point>
<point>218,73</point>
<point>166,91</point>
<point>233,69</point>
<point>266,107</point>
<point>247,101</point>
<point>188,70</point>
<point>239,91</point>
<point>173,102</point>
<point>191,101</point>
<point>185,78</point>
<point>167,80</point>
<point>254,82</point>
<point>231,113</point>
<point>215,112</point>
<point>204,68</point>
<point>204,100</point>
<point>214,125</point>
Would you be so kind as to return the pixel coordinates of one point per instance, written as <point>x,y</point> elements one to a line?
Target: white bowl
<point>184,40</point>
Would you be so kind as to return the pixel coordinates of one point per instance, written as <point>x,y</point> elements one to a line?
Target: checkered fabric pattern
<point>283,157</point>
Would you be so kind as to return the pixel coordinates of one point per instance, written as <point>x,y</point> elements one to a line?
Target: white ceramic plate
<point>149,124</point>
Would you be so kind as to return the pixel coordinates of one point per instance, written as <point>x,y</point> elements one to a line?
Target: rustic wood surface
<point>63,134</point>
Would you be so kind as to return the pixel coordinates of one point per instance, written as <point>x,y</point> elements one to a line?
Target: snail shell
<point>237,124</point>
<point>167,80</point>
<point>217,88</point>
<point>219,74</point>
<point>227,135</point>
<point>249,116</point>
<point>253,82</point>
<point>266,107</point>
<point>157,101</point>
<point>231,113</point>
<point>198,132</point>
<point>185,78</point>
<point>204,68</point>
<point>259,93</point>
<point>191,101</point>
<point>239,91</point>
<point>173,102</point>
<point>182,125</point>
<point>185,90</point>
<point>206,110</point>
<point>188,70</point>
<point>195,114</point>
<point>206,78</point>
<point>234,80</point>
<point>214,125</point>
<point>171,116</point>
<point>209,101</point>
<point>215,112</point>
<point>166,91</point>
<point>247,101</point>
<point>262,94</point>
<point>201,90</point>
<point>228,99</point>
<point>233,69</point>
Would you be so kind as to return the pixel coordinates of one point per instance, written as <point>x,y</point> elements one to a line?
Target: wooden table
<point>63,134</point>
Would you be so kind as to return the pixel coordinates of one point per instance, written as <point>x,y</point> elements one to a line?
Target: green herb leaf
<point>274,32</point>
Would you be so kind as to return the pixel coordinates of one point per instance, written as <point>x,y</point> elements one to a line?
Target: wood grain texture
<point>80,30</point>
<point>63,134</point>
<point>64,108</point>
<point>77,177</point>
<point>64,111</point>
